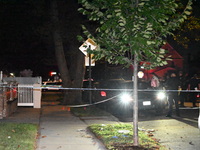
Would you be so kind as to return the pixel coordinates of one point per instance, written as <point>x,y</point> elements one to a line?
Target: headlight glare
<point>161,95</point>
<point>126,98</point>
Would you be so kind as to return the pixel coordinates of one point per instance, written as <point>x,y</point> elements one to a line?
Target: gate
<point>25,95</point>
<point>29,90</point>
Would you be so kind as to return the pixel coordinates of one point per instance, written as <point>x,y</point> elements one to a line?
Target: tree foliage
<point>132,30</point>
<point>125,29</point>
<point>189,32</point>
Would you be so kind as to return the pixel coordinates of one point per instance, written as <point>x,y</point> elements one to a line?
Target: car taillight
<point>103,93</point>
<point>198,95</point>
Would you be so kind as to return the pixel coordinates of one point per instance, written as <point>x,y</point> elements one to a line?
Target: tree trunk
<point>135,102</point>
<point>77,71</point>
<point>135,97</point>
<point>59,50</point>
<point>72,77</point>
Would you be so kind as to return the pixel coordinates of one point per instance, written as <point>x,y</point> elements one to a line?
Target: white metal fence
<point>25,95</point>
<point>24,80</point>
<point>29,90</point>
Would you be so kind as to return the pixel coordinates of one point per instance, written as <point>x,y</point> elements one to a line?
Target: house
<point>176,63</point>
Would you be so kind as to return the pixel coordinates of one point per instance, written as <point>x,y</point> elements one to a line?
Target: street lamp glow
<point>140,74</point>
<point>53,73</point>
<point>12,74</point>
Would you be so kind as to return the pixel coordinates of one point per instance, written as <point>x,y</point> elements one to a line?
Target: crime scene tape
<point>85,105</point>
<point>97,89</point>
<point>100,89</point>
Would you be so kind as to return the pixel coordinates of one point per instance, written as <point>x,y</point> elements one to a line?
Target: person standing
<point>173,84</point>
<point>155,83</point>
<point>184,81</point>
<point>194,84</point>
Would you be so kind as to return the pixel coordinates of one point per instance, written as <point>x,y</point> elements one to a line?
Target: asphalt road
<point>176,133</point>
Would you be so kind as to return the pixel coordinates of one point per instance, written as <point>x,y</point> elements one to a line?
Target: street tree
<point>129,31</point>
<point>36,33</point>
<point>70,60</point>
<point>188,32</point>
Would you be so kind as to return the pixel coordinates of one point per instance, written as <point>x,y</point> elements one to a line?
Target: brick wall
<point>8,99</point>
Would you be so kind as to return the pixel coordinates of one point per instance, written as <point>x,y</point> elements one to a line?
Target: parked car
<point>119,96</point>
<point>51,86</point>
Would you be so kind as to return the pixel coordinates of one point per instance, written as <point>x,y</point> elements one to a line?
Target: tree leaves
<point>126,29</point>
<point>189,32</point>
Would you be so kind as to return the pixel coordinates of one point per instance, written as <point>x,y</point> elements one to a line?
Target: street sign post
<point>88,60</point>
<point>88,44</point>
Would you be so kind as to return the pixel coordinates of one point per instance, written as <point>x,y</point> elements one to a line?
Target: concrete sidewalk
<point>59,129</point>
<point>24,115</point>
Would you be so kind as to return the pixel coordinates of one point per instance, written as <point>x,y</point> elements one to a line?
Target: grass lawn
<point>118,136</point>
<point>17,136</point>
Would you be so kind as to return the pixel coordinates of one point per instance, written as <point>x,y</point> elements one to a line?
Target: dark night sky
<point>24,36</point>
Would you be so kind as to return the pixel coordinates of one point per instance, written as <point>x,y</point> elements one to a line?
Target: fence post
<point>1,96</point>
<point>37,95</point>
<point>1,101</point>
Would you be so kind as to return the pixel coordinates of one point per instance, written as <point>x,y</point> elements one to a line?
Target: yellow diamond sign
<point>88,43</point>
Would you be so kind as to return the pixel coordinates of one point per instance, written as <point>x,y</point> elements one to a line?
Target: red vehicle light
<point>197,95</point>
<point>103,93</point>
